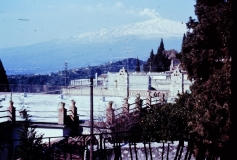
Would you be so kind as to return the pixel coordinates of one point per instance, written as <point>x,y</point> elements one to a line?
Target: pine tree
<point>206,57</point>
<point>4,84</point>
<point>138,66</point>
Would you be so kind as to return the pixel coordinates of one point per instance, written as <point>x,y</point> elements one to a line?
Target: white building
<point>160,84</point>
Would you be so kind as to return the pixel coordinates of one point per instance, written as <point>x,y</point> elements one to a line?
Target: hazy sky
<point>24,22</point>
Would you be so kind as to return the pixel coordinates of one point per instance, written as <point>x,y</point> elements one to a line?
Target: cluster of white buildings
<point>128,84</point>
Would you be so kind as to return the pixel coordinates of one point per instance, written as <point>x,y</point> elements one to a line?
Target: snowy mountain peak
<point>156,27</point>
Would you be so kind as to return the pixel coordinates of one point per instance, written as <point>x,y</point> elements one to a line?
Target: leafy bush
<point>30,145</point>
<point>168,121</point>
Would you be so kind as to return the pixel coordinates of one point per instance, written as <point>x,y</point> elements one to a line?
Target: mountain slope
<point>154,28</point>
<point>95,48</point>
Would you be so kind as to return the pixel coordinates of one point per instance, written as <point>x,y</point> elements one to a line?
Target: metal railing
<point>6,117</point>
<point>117,146</point>
<point>132,107</point>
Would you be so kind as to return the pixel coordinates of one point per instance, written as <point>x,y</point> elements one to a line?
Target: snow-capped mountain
<point>133,40</point>
<point>154,28</point>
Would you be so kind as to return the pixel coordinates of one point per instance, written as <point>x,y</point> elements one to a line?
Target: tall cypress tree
<point>161,62</point>
<point>183,41</point>
<point>206,57</point>
<point>138,66</point>
<point>184,37</point>
<point>4,84</point>
<point>158,62</point>
<point>161,48</point>
<point>148,65</point>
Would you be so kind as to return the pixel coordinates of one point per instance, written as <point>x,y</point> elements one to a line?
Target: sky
<point>25,22</point>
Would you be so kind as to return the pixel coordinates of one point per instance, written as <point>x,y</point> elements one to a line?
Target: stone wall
<point>103,92</point>
<point>137,81</point>
<point>86,91</point>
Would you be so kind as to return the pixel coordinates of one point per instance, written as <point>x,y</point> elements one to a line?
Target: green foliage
<point>161,61</point>
<point>4,84</point>
<point>30,145</point>
<point>169,120</point>
<point>158,62</point>
<point>206,57</point>
<point>138,66</point>
<point>161,48</point>
<point>53,82</point>
<point>149,62</point>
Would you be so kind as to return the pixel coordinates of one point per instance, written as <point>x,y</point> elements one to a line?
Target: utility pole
<point>150,66</point>
<point>65,67</point>
<point>91,119</point>
<point>128,56</point>
<point>127,51</point>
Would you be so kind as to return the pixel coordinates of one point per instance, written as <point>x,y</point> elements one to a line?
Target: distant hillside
<point>47,57</point>
<point>54,81</point>
<point>129,64</point>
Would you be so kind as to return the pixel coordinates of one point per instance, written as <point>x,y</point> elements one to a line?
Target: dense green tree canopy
<point>173,118</point>
<point>206,57</point>
<point>158,62</point>
<point>161,62</point>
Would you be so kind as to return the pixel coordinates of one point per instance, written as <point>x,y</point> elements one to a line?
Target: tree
<point>148,65</point>
<point>161,61</point>
<point>206,57</point>
<point>138,66</point>
<point>4,84</point>
<point>158,62</point>
<point>169,118</point>
<point>30,145</point>
<point>161,48</point>
<point>184,37</point>
<point>231,149</point>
